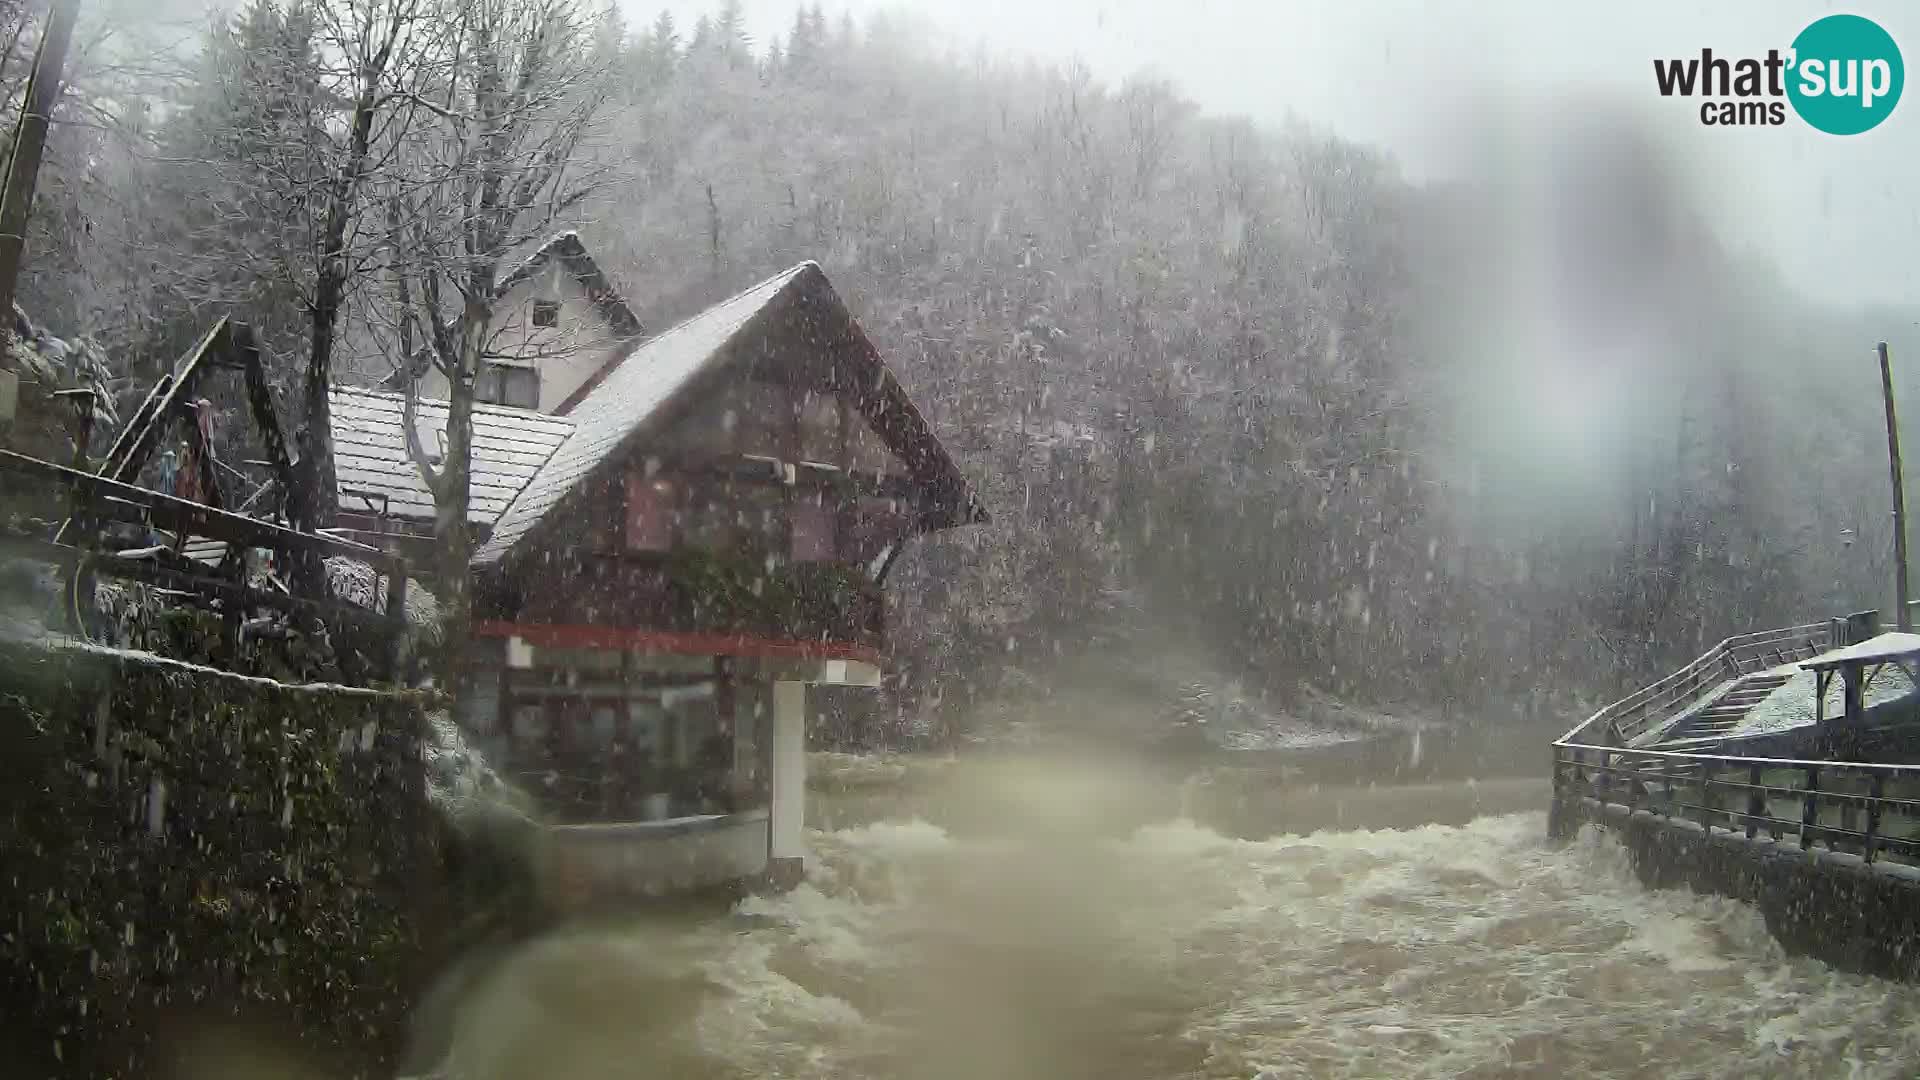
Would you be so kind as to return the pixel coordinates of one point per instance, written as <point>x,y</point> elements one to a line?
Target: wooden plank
<point>199,585</point>
<point>183,515</point>
<point>260,401</point>
<point>693,643</point>
<point>137,443</point>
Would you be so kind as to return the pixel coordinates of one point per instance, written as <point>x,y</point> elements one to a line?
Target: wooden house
<point>696,533</point>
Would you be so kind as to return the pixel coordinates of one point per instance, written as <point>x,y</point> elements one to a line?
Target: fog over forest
<point>1502,441</point>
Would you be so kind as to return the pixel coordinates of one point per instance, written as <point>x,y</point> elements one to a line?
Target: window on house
<point>813,529</point>
<point>652,507</point>
<point>713,520</point>
<point>820,428</point>
<point>512,385</point>
<point>546,313</point>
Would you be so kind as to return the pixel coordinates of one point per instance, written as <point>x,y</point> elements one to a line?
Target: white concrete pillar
<point>786,818</point>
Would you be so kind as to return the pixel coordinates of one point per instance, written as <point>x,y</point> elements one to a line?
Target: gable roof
<point>572,255</point>
<point>646,387</point>
<point>373,472</point>
<point>566,249</point>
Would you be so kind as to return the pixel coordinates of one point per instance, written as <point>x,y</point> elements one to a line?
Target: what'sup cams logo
<point>1842,75</point>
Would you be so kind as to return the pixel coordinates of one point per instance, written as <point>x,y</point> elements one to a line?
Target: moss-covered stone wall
<point>189,852</point>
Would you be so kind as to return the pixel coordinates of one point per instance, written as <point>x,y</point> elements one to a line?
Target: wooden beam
<point>203,459</point>
<point>138,440</point>
<point>246,349</point>
<point>577,636</point>
<point>203,586</point>
<point>113,498</point>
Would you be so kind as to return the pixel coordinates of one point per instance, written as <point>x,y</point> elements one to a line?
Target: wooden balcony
<point>695,592</point>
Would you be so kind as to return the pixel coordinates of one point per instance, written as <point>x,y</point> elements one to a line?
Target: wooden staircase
<point>1724,713</point>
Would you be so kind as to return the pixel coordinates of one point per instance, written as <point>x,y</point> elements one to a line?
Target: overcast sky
<point>1839,215</point>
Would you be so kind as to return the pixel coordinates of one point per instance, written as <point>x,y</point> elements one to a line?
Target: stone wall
<point>1829,905</point>
<point>194,857</point>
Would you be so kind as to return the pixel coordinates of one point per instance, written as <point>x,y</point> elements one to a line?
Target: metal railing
<point>1869,810</point>
<point>1622,721</point>
<point>1865,809</point>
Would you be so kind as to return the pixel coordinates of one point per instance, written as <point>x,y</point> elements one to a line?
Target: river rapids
<point>1032,920</point>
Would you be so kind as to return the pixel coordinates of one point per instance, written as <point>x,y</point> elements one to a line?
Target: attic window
<point>546,313</point>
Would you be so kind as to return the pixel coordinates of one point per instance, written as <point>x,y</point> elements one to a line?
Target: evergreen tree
<point>250,146</point>
<point>730,34</point>
<point>803,44</point>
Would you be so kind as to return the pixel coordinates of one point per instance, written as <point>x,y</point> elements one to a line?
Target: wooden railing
<point>1623,721</point>
<point>1868,810</point>
<point>95,500</point>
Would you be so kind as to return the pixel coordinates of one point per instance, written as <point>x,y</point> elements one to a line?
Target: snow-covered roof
<point>374,473</point>
<point>638,388</point>
<point>567,249</point>
<point>1876,650</point>
<point>630,393</point>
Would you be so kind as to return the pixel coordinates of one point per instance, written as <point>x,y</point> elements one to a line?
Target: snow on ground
<point>1316,721</point>
<point>1791,704</point>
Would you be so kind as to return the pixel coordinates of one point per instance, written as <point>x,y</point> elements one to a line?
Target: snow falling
<point>1096,512</point>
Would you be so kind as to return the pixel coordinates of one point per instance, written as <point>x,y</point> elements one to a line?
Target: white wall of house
<point>566,354</point>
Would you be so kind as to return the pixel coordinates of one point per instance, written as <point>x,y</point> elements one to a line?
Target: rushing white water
<point>1055,948</point>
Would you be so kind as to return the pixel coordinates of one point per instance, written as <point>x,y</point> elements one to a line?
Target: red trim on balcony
<point>555,636</point>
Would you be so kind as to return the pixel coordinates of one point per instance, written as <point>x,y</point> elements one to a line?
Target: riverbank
<point>1097,762</point>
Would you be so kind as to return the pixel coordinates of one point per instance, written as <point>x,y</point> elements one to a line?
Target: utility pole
<point>1902,616</point>
<point>29,140</point>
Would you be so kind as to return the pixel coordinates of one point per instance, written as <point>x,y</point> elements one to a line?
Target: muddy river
<point>1059,916</point>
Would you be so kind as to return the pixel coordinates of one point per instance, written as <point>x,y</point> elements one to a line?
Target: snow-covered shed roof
<point>1874,650</point>
<point>374,473</point>
<point>647,386</point>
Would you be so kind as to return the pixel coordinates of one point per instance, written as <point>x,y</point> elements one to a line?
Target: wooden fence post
<point>396,620</point>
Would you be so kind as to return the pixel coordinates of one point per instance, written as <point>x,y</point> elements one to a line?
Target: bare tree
<point>261,185</point>
<point>373,44</point>
<point>502,156</point>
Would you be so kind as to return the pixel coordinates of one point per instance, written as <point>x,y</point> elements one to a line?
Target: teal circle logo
<point>1846,75</point>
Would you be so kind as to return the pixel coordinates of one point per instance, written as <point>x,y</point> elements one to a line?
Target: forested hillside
<point>1522,437</point>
